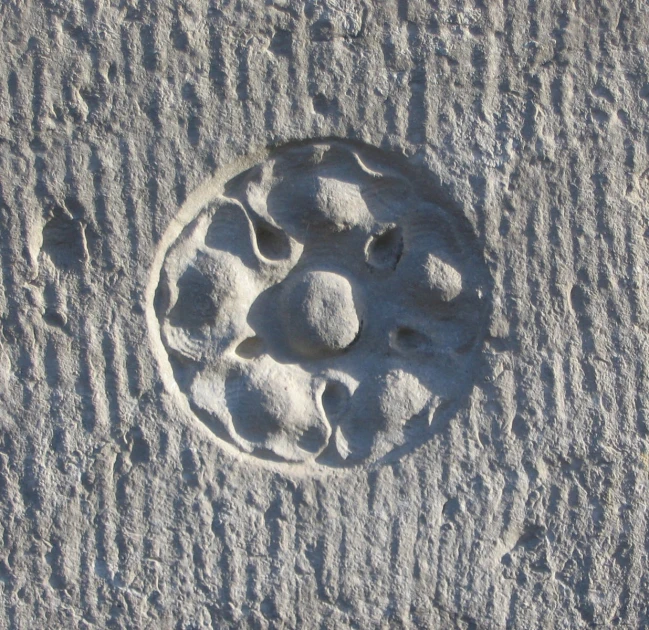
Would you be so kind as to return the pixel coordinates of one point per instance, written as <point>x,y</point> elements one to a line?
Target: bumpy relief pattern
<point>321,308</point>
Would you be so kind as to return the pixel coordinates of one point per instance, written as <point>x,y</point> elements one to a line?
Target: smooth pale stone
<point>272,408</point>
<point>317,203</point>
<point>321,316</point>
<point>442,280</point>
<point>401,397</point>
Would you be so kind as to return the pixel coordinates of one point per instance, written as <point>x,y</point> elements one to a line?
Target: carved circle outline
<point>196,204</point>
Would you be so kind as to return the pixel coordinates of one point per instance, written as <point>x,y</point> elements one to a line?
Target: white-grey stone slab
<point>324,314</point>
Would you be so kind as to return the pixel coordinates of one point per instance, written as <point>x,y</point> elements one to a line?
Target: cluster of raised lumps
<point>323,311</point>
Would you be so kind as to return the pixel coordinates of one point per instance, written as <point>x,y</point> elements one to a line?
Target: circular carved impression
<point>320,307</point>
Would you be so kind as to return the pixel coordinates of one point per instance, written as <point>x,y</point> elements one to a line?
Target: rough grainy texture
<point>527,511</point>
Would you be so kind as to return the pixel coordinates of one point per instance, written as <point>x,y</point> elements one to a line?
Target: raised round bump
<point>321,316</point>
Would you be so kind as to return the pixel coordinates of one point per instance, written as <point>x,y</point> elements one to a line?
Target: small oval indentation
<point>272,243</point>
<point>335,398</point>
<point>408,340</point>
<point>384,250</point>
<point>250,348</point>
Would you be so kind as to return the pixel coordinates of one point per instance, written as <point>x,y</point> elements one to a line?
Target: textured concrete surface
<point>527,508</point>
